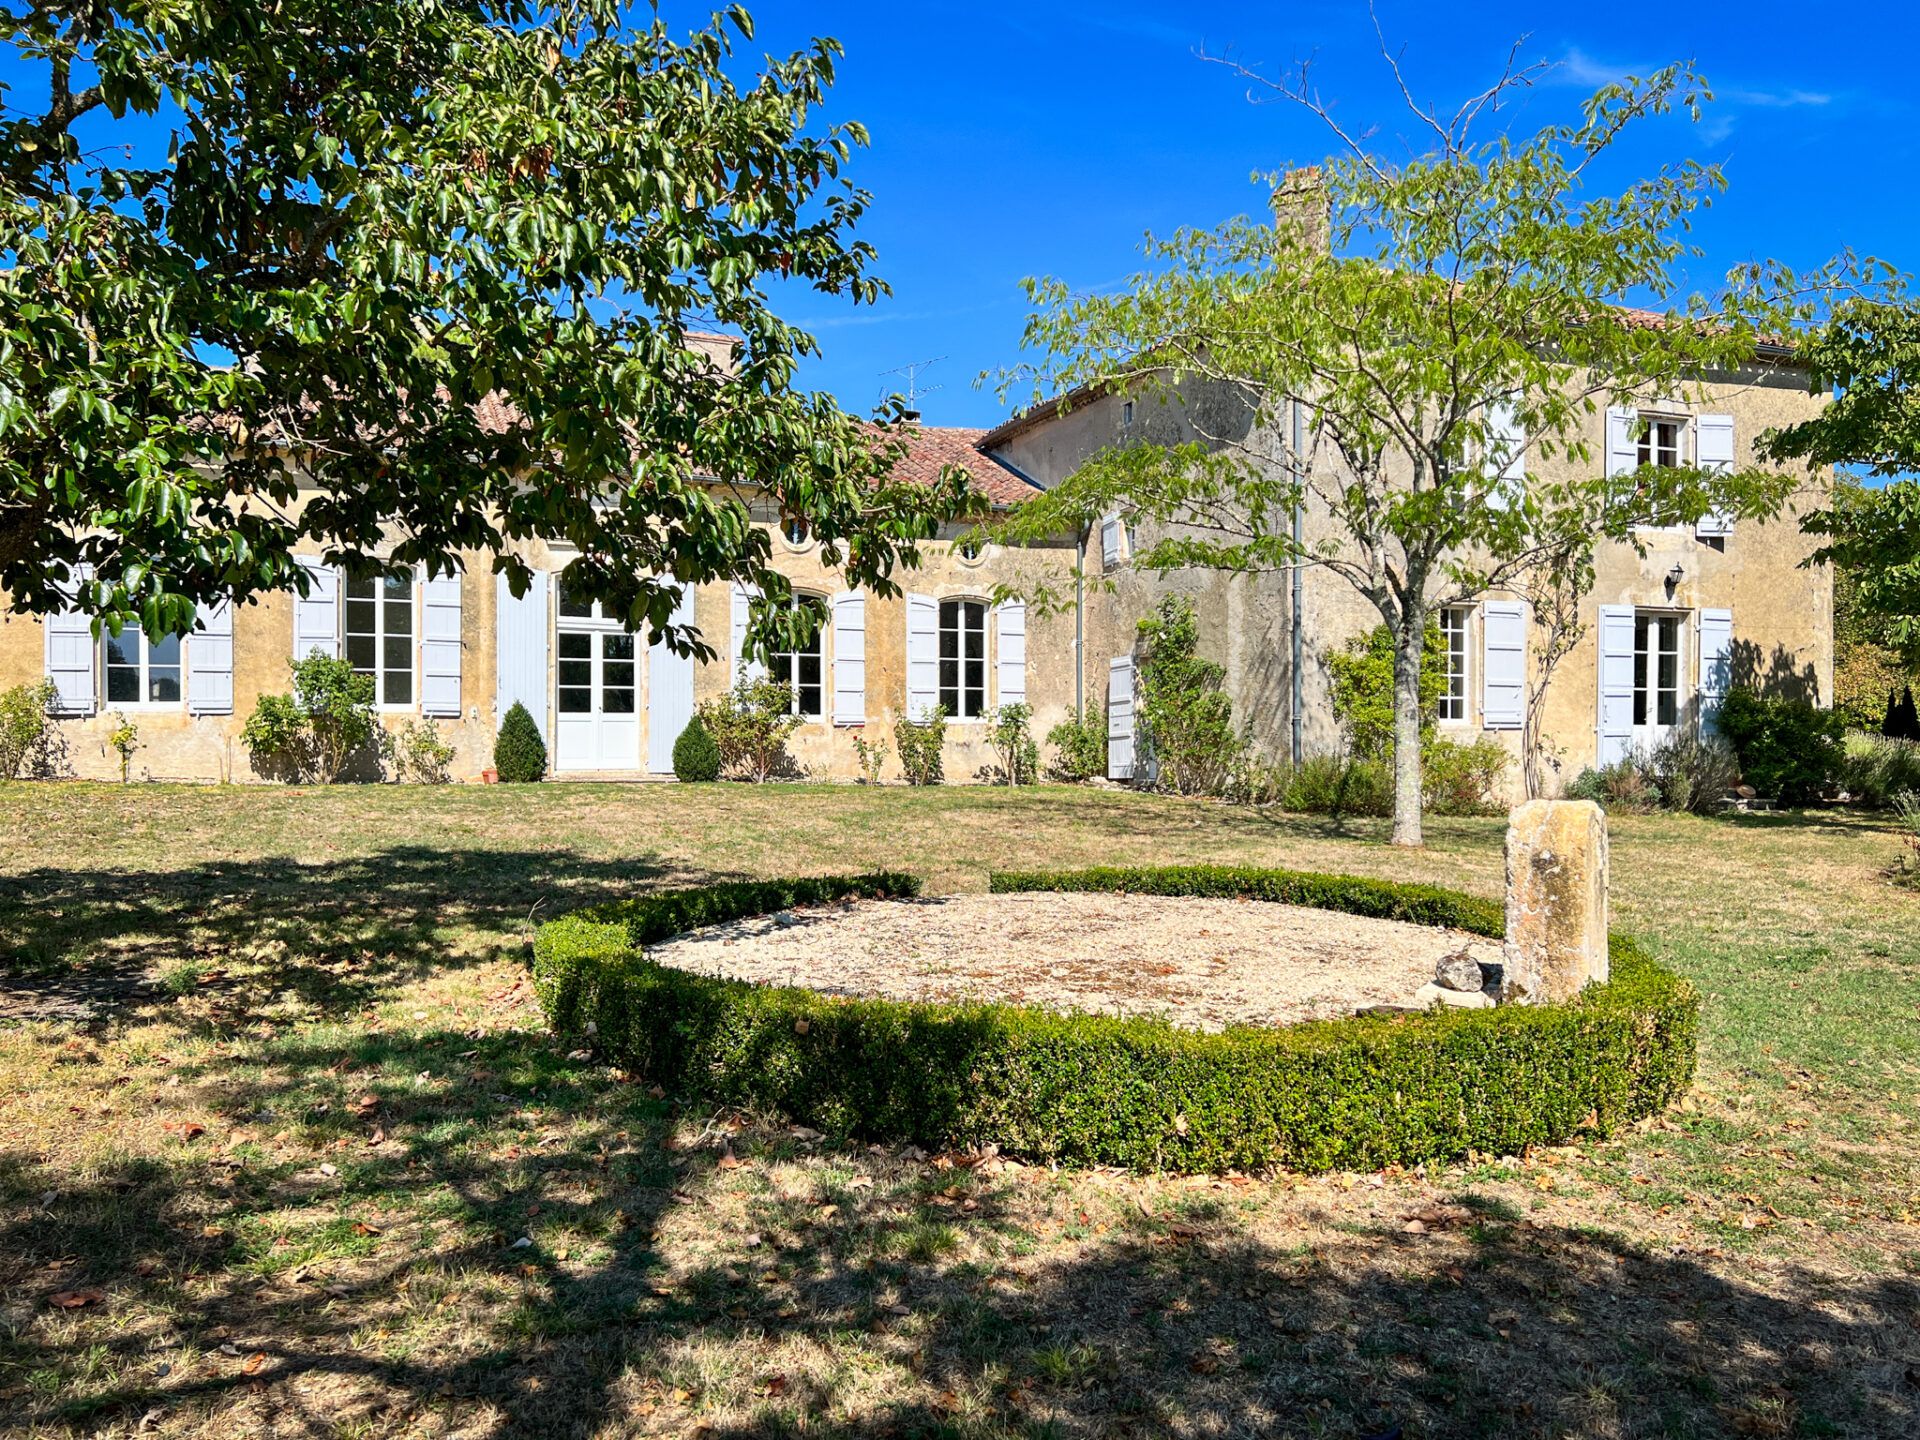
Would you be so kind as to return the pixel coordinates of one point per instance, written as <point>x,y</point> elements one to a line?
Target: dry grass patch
<point>288,1113</point>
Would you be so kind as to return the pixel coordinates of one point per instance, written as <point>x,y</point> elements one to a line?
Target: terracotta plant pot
<point>489,777</point>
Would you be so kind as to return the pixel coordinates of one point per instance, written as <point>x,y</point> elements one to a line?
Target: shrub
<point>1085,1089</point>
<point>869,757</point>
<point>519,754</point>
<point>1691,772</point>
<point>422,754</point>
<point>1187,740</point>
<point>1461,779</point>
<point>1080,748</point>
<point>1011,735</point>
<point>1788,749</point>
<point>1906,866</point>
<point>322,727</point>
<point>1363,689</point>
<point>1338,785</point>
<point>123,739</point>
<point>28,736</point>
<point>696,755</point>
<point>1874,770</point>
<point>920,746</point>
<point>750,726</point>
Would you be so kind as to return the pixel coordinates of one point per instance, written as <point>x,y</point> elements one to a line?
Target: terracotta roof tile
<point>932,447</point>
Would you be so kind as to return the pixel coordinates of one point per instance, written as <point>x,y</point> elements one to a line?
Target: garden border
<point>1356,1093</point>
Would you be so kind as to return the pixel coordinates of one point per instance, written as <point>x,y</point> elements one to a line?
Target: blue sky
<point>1043,138</point>
<point>1012,140</point>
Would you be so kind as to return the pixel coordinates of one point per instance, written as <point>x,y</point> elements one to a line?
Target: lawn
<point>285,1150</point>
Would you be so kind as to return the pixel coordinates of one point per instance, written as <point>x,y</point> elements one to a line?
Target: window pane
<point>164,651</point>
<point>360,617</point>
<point>949,644</point>
<point>571,604</point>
<point>398,653</point>
<point>124,648</point>
<point>360,652</point>
<point>361,589</point>
<point>399,619</point>
<point>617,675</point>
<point>950,698</point>
<point>399,688</point>
<point>616,700</point>
<point>576,673</point>
<point>575,700</point>
<point>810,670</point>
<point>812,699</point>
<point>163,684</point>
<point>123,685</point>
<point>780,669</point>
<point>575,646</point>
<point>949,674</point>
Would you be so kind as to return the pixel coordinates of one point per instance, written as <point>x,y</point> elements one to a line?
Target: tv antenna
<point>911,372</point>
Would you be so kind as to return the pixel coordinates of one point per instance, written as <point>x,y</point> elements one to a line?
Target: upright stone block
<point>1556,900</point>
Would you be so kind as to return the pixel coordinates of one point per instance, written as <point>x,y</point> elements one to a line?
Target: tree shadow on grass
<point>74,943</point>
<point>347,1229</point>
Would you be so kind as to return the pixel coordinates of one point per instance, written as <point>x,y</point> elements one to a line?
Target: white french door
<point>1656,676</point>
<point>596,685</point>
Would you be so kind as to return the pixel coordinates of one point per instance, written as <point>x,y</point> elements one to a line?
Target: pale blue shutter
<point>1716,665</point>
<point>316,615</point>
<point>210,661</point>
<point>669,691</point>
<point>440,645</point>
<point>850,658</point>
<point>1010,625</point>
<point>1507,456</point>
<point>923,655</point>
<point>1713,449</point>
<point>744,666</point>
<point>1503,671</point>
<point>72,653</point>
<point>1110,540</point>
<point>520,654</point>
<point>1623,441</point>
<point>1120,718</point>
<point>1614,731</point>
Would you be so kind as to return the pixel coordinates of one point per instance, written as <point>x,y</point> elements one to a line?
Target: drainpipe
<point>1299,525</point>
<point>1080,625</point>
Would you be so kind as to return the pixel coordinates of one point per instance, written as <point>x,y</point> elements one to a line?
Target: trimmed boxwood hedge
<point>1088,1090</point>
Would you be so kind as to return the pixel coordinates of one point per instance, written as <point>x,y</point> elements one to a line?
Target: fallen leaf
<point>360,1227</point>
<point>74,1299</point>
<point>256,1362</point>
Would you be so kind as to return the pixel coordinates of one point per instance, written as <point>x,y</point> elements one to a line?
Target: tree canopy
<point>416,277</point>
<point>1454,324</point>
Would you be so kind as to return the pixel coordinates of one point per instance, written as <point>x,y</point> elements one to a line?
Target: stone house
<point>1667,630</point>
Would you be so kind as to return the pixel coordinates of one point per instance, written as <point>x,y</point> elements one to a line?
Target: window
<point>796,531</point>
<point>1453,631</point>
<point>1656,670</point>
<point>1126,412</point>
<point>802,672</point>
<point>142,671</point>
<point>1660,444</point>
<point>380,635</point>
<point>963,658</point>
<point>970,549</point>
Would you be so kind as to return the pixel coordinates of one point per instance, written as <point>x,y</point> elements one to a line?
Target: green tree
<point>1411,318</point>
<point>1186,719</point>
<point>441,262</point>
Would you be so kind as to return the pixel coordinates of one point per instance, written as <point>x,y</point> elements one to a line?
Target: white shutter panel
<point>1503,632</point>
<point>1010,623</point>
<point>440,644</point>
<point>850,658</point>
<point>71,655</point>
<point>1615,728</point>
<point>1507,456</point>
<point>923,656</point>
<point>1713,449</point>
<point>1623,441</point>
<point>520,657</point>
<point>1110,540</point>
<point>743,667</point>
<point>1716,665</point>
<point>1120,718</point>
<point>210,661</point>
<point>316,615</point>
<point>669,691</point>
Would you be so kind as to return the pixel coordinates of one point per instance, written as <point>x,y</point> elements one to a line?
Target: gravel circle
<point>1200,963</point>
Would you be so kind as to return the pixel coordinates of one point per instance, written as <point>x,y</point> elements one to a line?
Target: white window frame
<point>1456,701</point>
<point>960,631</point>
<point>1644,447</point>
<point>381,670</point>
<point>144,668</point>
<point>1652,730</point>
<point>791,659</point>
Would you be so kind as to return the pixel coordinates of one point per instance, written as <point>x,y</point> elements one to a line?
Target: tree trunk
<point>1408,651</point>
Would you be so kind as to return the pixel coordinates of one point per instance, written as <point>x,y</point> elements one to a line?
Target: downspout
<point>1299,527</point>
<point>1080,625</point>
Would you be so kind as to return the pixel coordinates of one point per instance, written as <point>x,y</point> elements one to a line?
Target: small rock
<point>1430,994</point>
<point>786,919</point>
<point>1459,971</point>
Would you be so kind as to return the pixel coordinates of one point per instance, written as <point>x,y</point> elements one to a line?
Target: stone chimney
<point>1301,202</point>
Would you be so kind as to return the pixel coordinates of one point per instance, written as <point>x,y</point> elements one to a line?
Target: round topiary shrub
<point>1087,1089</point>
<point>696,755</point>
<point>519,754</point>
